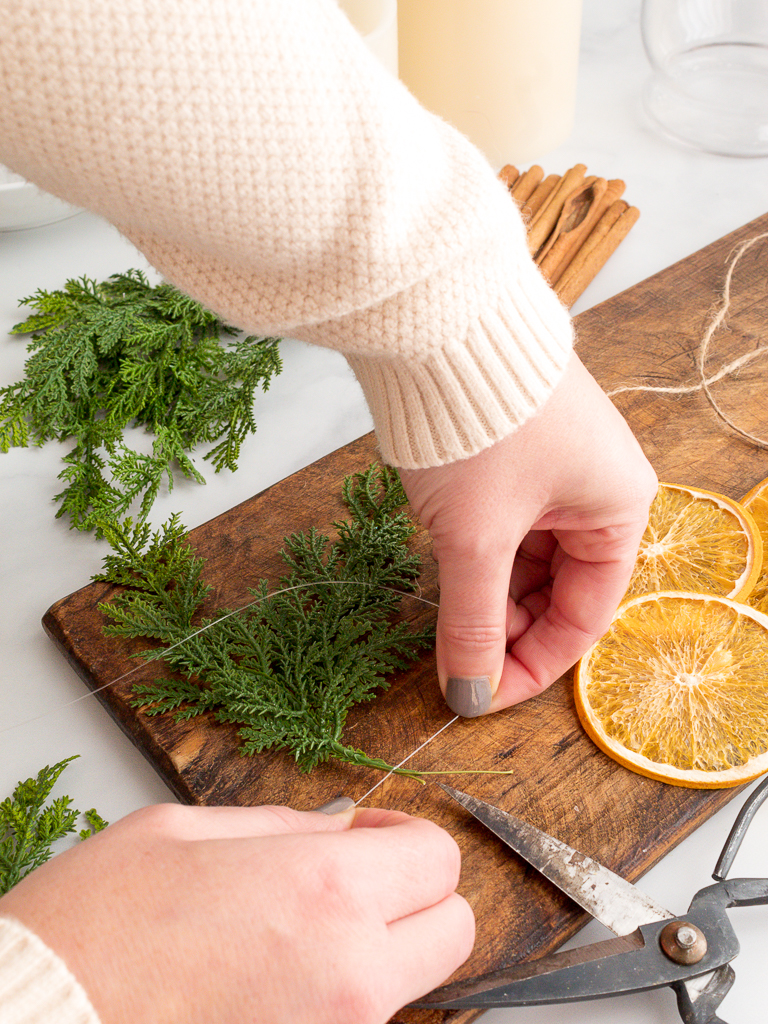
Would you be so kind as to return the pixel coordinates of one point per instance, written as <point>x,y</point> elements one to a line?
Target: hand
<point>226,915</point>
<point>535,539</point>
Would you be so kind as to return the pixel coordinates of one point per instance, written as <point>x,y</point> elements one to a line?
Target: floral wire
<point>202,629</point>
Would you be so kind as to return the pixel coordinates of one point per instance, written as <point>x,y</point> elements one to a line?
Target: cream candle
<point>501,71</point>
<point>376,21</point>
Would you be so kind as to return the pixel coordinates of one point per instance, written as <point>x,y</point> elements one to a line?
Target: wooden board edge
<point>141,739</point>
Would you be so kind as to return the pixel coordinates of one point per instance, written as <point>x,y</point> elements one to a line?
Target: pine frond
<point>105,356</point>
<point>29,828</point>
<point>162,579</point>
<point>288,667</point>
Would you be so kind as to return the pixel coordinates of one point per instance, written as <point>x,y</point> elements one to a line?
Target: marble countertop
<point>687,199</point>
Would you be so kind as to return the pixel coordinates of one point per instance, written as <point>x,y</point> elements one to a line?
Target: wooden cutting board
<point>561,782</point>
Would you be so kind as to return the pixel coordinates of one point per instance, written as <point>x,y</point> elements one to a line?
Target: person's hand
<point>265,914</point>
<point>535,540</point>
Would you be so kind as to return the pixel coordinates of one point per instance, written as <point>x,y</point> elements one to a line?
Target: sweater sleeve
<point>35,985</point>
<point>265,163</point>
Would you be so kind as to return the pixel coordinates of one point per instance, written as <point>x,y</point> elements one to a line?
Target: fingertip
<point>378,817</point>
<point>517,685</point>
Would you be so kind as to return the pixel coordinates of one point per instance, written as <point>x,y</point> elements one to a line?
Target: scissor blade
<point>546,980</point>
<point>610,899</point>
<point>632,963</point>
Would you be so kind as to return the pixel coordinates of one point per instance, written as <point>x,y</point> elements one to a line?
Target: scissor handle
<point>732,892</point>
<point>739,830</point>
<point>704,1009</point>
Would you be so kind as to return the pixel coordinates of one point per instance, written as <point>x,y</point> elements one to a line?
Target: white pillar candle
<point>501,71</point>
<point>376,21</point>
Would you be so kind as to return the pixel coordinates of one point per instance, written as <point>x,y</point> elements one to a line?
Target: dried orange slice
<point>756,503</point>
<point>700,542</point>
<point>677,690</point>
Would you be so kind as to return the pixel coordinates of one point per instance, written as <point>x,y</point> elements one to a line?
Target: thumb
<point>471,629</point>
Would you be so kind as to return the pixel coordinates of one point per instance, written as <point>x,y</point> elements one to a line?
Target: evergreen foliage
<point>29,828</point>
<point>106,356</point>
<point>288,667</point>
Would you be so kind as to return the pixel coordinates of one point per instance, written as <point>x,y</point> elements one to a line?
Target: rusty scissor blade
<point>631,963</point>
<point>610,899</point>
<point>493,988</point>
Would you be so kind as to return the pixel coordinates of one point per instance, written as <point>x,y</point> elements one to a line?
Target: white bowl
<point>24,205</point>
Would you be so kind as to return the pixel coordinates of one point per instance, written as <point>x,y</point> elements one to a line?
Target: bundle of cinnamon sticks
<point>574,223</point>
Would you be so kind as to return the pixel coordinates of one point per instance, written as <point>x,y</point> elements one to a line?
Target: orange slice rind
<point>756,503</point>
<point>677,689</point>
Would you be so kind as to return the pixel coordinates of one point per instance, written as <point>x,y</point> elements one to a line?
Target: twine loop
<point>705,382</point>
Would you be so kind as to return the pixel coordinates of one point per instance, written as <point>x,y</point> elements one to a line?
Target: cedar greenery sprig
<point>162,578</point>
<point>120,353</point>
<point>288,667</point>
<point>29,829</point>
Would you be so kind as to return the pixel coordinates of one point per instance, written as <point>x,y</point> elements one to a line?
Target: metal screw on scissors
<point>691,954</point>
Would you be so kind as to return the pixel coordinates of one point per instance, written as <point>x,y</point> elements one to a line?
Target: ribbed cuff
<point>35,985</point>
<point>447,405</point>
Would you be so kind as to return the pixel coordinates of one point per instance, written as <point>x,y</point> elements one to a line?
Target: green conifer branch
<point>288,667</point>
<point>29,829</point>
<point>107,356</point>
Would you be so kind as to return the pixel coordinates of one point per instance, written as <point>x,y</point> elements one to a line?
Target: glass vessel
<point>710,82</point>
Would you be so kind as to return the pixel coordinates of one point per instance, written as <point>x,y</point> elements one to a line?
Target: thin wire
<point>223,618</point>
<point>408,758</point>
<point>203,629</point>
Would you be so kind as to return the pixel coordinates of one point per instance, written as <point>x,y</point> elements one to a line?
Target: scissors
<point>691,954</point>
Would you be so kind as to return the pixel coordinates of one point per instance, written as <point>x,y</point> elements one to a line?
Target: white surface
<point>687,199</point>
<point>24,205</point>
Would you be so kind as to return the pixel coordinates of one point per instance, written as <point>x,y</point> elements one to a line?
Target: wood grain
<point>561,782</point>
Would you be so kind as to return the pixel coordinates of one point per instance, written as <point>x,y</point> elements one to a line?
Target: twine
<point>706,382</point>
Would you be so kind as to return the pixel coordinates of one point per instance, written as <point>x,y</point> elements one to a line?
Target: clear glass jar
<point>710,82</point>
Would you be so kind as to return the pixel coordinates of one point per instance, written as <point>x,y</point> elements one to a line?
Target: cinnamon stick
<point>548,214</point>
<point>594,238</point>
<point>555,257</point>
<point>615,190</point>
<point>574,210</point>
<point>509,175</point>
<point>593,256</point>
<point>574,223</point>
<point>586,212</point>
<point>539,197</point>
<point>526,184</point>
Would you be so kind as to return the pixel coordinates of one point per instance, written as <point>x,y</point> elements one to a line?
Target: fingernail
<point>468,697</point>
<point>341,803</point>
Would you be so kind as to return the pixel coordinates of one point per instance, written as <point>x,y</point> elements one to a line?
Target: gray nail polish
<point>341,803</point>
<point>468,697</point>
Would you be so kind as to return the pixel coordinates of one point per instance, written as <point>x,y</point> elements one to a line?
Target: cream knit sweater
<point>266,164</point>
<point>35,985</point>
